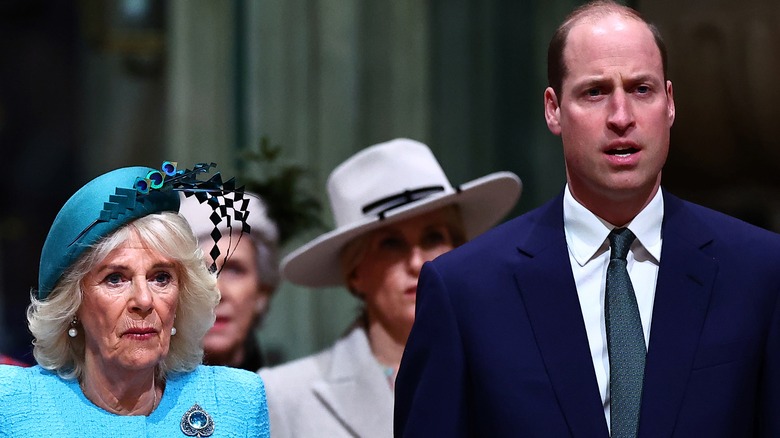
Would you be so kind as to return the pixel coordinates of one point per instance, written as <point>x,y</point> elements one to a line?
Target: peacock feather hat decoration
<point>120,196</point>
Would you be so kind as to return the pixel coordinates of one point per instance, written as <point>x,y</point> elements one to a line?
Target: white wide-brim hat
<point>387,183</point>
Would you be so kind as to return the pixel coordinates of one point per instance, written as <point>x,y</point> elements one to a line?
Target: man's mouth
<point>622,151</point>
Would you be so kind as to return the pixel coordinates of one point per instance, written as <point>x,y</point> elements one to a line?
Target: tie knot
<point>620,240</point>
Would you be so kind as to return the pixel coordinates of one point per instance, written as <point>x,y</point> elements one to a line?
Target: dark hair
<point>556,65</point>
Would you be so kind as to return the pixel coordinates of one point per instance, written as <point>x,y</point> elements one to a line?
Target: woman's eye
<point>113,279</point>
<point>232,268</point>
<point>162,278</point>
<point>391,243</point>
<point>434,238</point>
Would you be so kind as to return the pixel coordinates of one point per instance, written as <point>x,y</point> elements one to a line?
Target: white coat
<point>340,392</point>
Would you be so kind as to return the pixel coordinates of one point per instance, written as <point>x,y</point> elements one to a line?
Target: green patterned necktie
<point>625,340</point>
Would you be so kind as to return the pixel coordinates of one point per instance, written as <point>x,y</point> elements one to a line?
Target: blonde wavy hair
<point>169,234</point>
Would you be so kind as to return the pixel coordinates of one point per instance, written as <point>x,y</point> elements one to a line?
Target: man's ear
<point>552,111</point>
<point>670,102</point>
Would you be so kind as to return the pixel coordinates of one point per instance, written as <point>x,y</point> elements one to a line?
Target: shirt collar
<point>586,233</point>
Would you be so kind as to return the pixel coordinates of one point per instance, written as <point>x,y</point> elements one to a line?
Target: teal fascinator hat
<point>120,196</point>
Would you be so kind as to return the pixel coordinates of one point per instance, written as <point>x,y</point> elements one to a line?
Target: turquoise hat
<point>114,199</point>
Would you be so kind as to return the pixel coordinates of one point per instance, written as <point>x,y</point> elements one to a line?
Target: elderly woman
<point>123,303</point>
<point>248,279</point>
<point>394,209</point>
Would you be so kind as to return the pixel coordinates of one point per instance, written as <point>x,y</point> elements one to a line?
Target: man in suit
<point>511,334</point>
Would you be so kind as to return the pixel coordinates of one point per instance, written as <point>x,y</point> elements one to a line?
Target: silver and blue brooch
<point>197,422</point>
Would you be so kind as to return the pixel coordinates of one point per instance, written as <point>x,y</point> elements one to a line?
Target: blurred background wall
<point>88,86</point>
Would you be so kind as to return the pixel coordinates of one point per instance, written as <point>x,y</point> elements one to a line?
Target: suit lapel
<point>683,289</point>
<point>550,296</point>
<point>354,389</point>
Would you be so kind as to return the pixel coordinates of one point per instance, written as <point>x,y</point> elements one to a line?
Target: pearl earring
<point>72,331</point>
<point>173,331</point>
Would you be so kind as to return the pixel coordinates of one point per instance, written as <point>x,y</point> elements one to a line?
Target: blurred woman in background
<point>394,209</point>
<point>247,281</point>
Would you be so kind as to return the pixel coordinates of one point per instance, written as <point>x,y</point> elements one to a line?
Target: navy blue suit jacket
<point>499,349</point>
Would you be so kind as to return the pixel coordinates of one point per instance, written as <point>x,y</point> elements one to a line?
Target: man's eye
<point>593,92</point>
<point>642,89</point>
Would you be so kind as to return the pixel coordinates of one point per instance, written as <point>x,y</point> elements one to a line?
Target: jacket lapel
<point>683,289</point>
<point>354,382</point>
<point>547,286</point>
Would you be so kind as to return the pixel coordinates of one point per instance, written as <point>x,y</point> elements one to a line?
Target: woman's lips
<point>140,333</point>
<point>221,321</point>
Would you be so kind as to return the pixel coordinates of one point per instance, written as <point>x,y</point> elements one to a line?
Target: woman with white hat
<point>394,209</point>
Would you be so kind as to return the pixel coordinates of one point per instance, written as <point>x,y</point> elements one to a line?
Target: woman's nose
<point>141,299</point>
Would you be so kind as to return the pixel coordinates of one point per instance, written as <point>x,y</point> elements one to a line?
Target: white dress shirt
<point>586,237</point>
